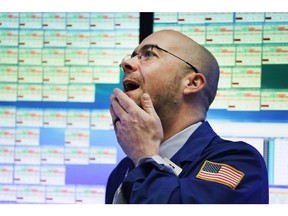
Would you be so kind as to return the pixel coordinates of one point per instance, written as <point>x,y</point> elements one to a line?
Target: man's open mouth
<point>130,85</point>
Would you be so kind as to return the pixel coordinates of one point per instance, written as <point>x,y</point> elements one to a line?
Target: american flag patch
<point>221,173</point>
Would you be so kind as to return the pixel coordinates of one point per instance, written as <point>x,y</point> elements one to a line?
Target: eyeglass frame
<point>159,48</point>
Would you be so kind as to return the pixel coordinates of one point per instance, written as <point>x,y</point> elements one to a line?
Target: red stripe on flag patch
<point>221,173</point>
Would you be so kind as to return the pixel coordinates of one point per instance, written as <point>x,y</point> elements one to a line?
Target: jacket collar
<point>196,143</point>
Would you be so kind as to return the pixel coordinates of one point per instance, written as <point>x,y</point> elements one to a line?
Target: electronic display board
<point>58,69</point>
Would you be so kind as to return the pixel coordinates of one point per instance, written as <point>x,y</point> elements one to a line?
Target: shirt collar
<point>176,142</point>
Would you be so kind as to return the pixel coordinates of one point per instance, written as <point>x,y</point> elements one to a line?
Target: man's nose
<point>129,65</point>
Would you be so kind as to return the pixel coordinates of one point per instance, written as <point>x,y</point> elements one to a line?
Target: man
<point>173,155</point>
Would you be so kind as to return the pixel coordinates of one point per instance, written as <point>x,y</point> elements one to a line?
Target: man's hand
<point>139,131</point>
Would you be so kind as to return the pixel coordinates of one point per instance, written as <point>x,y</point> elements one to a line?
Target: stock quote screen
<point>57,71</point>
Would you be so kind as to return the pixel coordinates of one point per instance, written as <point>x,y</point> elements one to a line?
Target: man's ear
<point>193,83</point>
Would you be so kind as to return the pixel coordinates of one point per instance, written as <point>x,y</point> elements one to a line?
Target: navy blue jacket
<point>149,183</point>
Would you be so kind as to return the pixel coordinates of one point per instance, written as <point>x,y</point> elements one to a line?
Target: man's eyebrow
<point>146,46</point>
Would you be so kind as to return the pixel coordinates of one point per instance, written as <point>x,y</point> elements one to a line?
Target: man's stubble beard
<point>166,99</point>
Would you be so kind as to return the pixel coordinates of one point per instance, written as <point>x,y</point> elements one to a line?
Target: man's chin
<point>135,97</point>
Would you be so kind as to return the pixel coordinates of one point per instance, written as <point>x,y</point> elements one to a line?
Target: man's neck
<point>178,122</point>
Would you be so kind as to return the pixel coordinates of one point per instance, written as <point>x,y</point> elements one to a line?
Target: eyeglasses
<point>146,52</point>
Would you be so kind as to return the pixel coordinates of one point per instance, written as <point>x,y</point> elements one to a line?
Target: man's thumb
<point>147,103</point>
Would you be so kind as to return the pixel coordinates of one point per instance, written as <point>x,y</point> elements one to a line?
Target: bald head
<point>192,52</point>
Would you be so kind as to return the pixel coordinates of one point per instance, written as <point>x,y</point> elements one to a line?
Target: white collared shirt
<point>176,142</point>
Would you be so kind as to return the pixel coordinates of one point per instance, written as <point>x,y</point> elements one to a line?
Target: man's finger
<point>117,109</point>
<point>126,102</point>
<point>147,104</point>
<point>113,115</point>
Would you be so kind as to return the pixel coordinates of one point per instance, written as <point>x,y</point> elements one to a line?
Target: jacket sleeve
<point>151,183</point>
